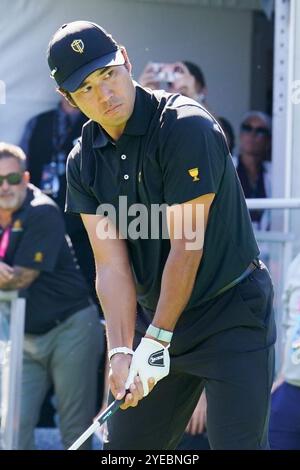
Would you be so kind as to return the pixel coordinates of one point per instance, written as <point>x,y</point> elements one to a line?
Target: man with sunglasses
<point>63,336</point>
<point>252,163</point>
<point>254,168</point>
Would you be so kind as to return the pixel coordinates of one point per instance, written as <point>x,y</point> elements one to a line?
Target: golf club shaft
<point>109,411</point>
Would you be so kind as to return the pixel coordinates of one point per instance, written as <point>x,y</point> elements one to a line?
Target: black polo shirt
<point>170,152</point>
<point>37,241</point>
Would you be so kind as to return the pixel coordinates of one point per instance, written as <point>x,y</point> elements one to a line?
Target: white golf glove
<point>150,359</point>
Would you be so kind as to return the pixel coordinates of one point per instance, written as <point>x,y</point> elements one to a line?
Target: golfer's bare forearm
<point>117,295</point>
<point>177,284</point>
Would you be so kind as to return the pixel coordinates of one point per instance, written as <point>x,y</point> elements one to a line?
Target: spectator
<point>187,79</point>
<point>190,82</point>
<point>63,337</point>
<point>285,410</point>
<point>254,168</point>
<point>252,163</point>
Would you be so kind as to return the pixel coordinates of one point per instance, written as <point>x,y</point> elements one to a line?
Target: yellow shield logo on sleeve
<point>194,173</point>
<point>38,257</point>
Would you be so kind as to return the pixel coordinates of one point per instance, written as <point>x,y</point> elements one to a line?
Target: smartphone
<point>164,72</point>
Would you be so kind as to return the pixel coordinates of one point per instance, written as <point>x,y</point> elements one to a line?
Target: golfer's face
<point>107,97</point>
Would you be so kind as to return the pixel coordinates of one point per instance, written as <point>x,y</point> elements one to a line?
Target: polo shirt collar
<point>100,137</point>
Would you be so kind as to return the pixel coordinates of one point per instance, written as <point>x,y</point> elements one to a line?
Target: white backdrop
<point>219,40</point>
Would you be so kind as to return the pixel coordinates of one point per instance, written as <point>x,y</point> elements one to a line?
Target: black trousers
<point>225,346</point>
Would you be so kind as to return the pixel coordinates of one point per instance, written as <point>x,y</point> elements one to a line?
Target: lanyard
<point>4,242</point>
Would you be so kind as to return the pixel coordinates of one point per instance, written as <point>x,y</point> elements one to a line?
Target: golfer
<point>204,300</point>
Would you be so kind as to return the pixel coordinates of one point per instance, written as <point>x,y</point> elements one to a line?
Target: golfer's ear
<point>67,97</point>
<point>127,61</point>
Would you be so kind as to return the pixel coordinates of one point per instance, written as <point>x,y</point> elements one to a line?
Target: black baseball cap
<point>78,49</point>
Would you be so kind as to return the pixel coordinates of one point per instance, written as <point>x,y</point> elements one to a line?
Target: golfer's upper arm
<point>107,246</point>
<point>188,218</point>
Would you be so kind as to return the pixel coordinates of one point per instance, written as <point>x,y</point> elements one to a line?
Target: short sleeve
<point>192,159</point>
<point>79,199</point>
<point>42,240</point>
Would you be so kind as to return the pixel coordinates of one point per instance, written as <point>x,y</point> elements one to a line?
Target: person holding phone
<point>183,77</point>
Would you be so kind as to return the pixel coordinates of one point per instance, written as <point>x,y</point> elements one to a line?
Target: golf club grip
<point>109,411</point>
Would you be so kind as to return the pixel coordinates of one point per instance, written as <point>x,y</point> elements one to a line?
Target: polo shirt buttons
<point>123,157</point>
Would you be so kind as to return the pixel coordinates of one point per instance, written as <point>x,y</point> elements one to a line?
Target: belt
<point>255,264</point>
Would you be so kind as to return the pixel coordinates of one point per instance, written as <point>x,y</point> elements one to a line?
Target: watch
<point>122,350</point>
<point>159,333</point>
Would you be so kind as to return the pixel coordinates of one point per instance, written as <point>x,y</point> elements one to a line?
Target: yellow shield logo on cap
<point>78,46</point>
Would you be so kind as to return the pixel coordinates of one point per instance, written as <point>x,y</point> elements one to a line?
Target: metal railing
<point>12,317</point>
<point>283,233</point>
<point>282,244</point>
<point>273,203</point>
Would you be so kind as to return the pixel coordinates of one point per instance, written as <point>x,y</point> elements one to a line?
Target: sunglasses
<point>11,178</point>
<point>258,131</point>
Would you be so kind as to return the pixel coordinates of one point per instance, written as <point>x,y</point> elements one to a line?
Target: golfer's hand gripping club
<point>150,360</point>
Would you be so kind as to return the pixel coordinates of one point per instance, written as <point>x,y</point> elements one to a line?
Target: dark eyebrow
<point>100,72</point>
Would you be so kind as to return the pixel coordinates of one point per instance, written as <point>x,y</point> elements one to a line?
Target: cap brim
<point>74,81</point>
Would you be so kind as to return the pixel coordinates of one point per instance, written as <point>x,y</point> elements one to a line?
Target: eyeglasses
<point>11,178</point>
<point>258,131</point>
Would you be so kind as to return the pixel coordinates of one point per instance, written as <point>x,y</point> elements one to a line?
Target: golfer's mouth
<point>112,110</point>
